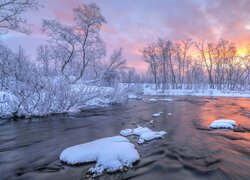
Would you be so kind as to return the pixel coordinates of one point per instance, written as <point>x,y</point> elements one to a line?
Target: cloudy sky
<point>131,24</point>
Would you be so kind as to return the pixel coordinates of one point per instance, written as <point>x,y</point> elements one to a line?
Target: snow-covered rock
<point>144,133</point>
<point>167,99</point>
<point>152,99</point>
<point>132,96</point>
<point>157,114</point>
<point>169,114</point>
<point>223,124</point>
<point>111,154</point>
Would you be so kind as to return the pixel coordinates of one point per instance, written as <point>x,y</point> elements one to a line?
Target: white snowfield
<point>144,133</point>
<point>149,89</point>
<point>223,124</point>
<point>111,154</point>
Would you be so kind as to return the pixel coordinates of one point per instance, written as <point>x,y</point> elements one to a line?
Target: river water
<point>29,148</point>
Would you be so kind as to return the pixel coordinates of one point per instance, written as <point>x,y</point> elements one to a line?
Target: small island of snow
<point>144,133</point>
<point>111,154</point>
<point>157,114</point>
<point>223,124</point>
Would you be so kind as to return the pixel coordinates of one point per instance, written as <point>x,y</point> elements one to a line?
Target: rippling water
<point>29,148</point>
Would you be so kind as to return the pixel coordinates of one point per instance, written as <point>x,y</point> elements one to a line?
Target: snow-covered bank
<point>149,89</point>
<point>45,102</point>
<point>63,98</point>
<point>110,154</point>
<point>144,133</point>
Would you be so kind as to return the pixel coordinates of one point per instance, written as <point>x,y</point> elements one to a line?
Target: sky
<point>132,24</point>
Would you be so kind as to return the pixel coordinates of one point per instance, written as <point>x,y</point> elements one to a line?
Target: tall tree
<point>77,45</point>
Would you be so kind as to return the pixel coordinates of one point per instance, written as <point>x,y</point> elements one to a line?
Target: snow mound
<point>8,104</point>
<point>132,96</point>
<point>98,102</point>
<point>111,154</point>
<point>157,114</point>
<point>223,124</point>
<point>167,99</point>
<point>144,133</point>
<point>152,99</point>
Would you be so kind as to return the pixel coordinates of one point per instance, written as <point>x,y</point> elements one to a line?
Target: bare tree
<point>205,51</point>
<point>164,51</point>
<point>44,56</point>
<point>6,57</point>
<point>11,15</point>
<point>116,62</point>
<point>76,46</point>
<point>149,56</point>
<point>181,51</point>
<point>216,64</point>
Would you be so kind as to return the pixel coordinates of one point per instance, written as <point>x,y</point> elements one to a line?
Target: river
<point>29,148</point>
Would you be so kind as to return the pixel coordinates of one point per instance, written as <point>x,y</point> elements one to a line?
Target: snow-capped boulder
<point>144,133</point>
<point>223,124</point>
<point>110,154</point>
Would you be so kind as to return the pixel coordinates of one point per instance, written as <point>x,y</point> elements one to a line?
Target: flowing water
<point>29,148</point>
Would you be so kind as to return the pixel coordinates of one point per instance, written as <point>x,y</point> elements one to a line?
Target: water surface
<point>29,148</point>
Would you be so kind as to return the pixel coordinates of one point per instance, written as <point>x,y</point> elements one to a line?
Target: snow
<point>157,114</point>
<point>73,98</point>
<point>98,102</point>
<point>134,96</point>
<point>144,133</point>
<point>149,89</point>
<point>110,154</point>
<point>7,104</point>
<point>167,99</point>
<point>152,99</point>
<point>163,99</point>
<point>223,124</point>
<point>169,114</point>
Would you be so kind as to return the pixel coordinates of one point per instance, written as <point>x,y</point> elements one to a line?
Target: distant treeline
<point>188,63</point>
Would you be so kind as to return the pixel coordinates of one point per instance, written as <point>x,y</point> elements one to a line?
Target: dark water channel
<point>29,148</point>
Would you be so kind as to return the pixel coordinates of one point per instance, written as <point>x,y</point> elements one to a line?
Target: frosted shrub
<point>120,94</point>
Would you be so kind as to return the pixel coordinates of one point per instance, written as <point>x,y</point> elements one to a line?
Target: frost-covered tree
<point>44,57</point>
<point>11,15</point>
<point>75,46</point>
<point>188,64</point>
<point>149,56</point>
<point>112,67</point>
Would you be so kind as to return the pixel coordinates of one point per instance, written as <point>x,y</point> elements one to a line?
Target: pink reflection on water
<point>237,109</point>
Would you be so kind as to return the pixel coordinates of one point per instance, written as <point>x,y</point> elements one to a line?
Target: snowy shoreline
<point>150,90</point>
<point>99,97</point>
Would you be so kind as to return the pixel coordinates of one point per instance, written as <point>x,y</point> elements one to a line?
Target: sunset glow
<point>134,24</point>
